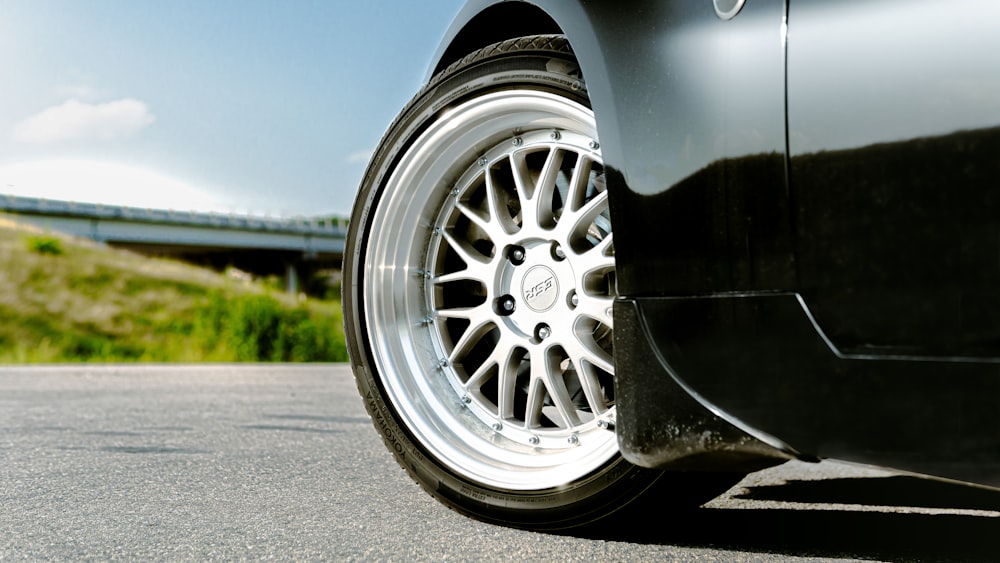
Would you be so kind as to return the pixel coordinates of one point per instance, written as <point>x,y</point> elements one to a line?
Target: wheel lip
<point>441,423</point>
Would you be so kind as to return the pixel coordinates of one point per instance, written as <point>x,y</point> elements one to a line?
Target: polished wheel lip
<point>413,353</point>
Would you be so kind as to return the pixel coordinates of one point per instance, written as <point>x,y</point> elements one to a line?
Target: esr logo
<point>539,288</point>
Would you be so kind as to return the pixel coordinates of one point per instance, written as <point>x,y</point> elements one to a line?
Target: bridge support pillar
<point>291,278</point>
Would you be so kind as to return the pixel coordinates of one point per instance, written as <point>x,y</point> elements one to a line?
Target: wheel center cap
<point>540,289</point>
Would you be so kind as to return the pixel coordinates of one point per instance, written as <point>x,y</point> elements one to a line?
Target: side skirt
<point>775,387</point>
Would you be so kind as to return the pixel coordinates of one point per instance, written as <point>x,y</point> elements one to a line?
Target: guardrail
<point>297,225</point>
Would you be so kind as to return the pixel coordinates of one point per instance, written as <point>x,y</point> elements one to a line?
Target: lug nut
<point>557,252</point>
<point>543,331</point>
<point>505,305</point>
<point>517,255</point>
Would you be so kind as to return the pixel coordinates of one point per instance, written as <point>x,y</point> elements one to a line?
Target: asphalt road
<point>261,462</point>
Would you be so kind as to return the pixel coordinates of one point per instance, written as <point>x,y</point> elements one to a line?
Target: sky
<point>239,106</point>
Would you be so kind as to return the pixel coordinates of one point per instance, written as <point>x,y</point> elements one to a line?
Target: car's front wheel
<point>479,283</point>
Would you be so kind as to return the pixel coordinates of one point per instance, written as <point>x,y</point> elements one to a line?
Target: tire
<point>479,279</point>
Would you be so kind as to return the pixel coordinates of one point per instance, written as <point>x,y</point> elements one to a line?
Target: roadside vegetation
<point>70,300</point>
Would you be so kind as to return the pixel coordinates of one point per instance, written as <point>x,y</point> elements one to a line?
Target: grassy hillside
<point>68,300</point>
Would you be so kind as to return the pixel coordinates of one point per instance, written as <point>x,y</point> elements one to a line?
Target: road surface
<point>262,461</point>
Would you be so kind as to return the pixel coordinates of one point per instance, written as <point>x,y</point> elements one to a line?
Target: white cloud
<point>75,120</point>
<point>361,156</point>
<point>89,181</point>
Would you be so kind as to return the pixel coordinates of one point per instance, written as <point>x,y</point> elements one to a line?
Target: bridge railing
<point>299,225</point>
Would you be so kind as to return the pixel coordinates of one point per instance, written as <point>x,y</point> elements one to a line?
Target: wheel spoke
<point>577,193</point>
<point>525,188</point>
<point>465,251</point>
<point>507,379</point>
<point>465,313</point>
<point>492,226</point>
<point>473,273</point>
<point>586,350</point>
<point>596,260</point>
<point>501,359</point>
<point>584,362</point>
<point>549,371</point>
<point>606,247</point>
<point>497,206</point>
<point>545,189</point>
<point>574,225</point>
<point>470,338</point>
<point>596,308</point>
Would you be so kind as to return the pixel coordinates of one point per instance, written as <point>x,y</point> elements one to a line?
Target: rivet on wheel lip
<point>466,399</point>
<point>517,141</point>
<point>482,161</point>
<point>573,440</point>
<point>534,440</point>
<point>497,426</point>
<point>555,135</point>
<point>595,145</point>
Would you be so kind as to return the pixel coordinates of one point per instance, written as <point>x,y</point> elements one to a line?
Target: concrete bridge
<point>260,245</point>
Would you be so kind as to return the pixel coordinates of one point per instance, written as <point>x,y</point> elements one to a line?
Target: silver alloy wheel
<point>488,287</point>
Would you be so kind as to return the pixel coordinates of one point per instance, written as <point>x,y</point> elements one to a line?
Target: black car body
<point>806,226</point>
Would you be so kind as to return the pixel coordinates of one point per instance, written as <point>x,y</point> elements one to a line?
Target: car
<point>618,255</point>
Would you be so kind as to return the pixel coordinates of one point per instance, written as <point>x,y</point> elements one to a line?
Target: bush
<point>257,328</point>
<point>45,245</point>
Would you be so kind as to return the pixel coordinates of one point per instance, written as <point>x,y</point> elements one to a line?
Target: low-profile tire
<point>478,285</point>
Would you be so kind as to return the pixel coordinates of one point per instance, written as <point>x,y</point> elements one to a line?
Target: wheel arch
<point>482,24</point>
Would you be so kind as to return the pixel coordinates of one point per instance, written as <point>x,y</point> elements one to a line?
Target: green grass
<point>69,300</point>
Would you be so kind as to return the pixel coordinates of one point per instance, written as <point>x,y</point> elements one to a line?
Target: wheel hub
<point>538,285</point>
<point>540,288</point>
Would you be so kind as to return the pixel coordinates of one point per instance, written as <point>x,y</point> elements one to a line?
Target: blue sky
<point>227,105</point>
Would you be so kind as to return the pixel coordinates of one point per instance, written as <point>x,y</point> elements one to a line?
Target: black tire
<point>452,282</point>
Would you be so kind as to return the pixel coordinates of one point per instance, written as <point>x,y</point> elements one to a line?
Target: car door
<point>893,135</point>
<point>887,350</point>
